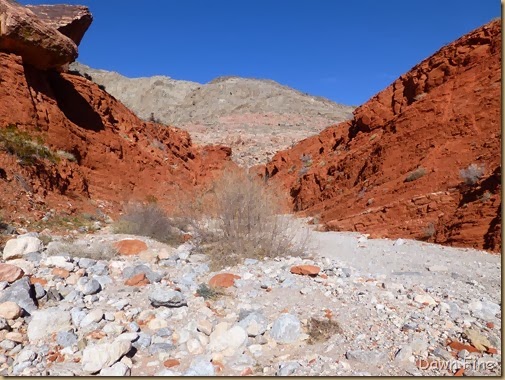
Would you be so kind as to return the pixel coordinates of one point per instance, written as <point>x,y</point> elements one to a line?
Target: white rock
<point>227,341</point>
<point>10,310</point>
<point>97,357</point>
<point>118,369</point>
<point>425,299</point>
<point>129,336</point>
<point>94,315</point>
<point>45,322</point>
<point>194,347</point>
<point>59,262</point>
<point>17,248</point>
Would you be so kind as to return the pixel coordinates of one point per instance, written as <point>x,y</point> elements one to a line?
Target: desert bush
<point>322,330</point>
<point>148,220</point>
<point>209,293</point>
<point>429,231</point>
<point>415,174</point>
<point>241,218</point>
<point>82,249</point>
<point>471,174</point>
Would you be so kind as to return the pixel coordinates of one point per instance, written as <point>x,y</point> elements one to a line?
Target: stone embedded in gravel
<point>425,299</point>
<point>287,369</point>
<point>168,298</point>
<point>113,328</point>
<point>200,366</point>
<point>367,357</point>
<point>254,323</point>
<point>93,316</point>
<point>59,262</point>
<point>129,336</point>
<point>85,263</point>
<point>286,329</point>
<point>88,286</point>
<point>403,354</point>
<point>128,247</point>
<point>137,280</point>
<point>45,322</point>
<point>10,310</point>
<point>223,280</point>
<point>149,273</point>
<point>156,348</point>
<point>26,355</point>
<point>97,357</point>
<point>484,310</point>
<point>307,270</point>
<point>228,341</point>
<point>17,248</point>
<point>204,326</point>
<point>22,293</point>
<point>10,273</point>
<point>15,336</point>
<point>117,369</point>
<point>60,272</point>
<point>66,338</point>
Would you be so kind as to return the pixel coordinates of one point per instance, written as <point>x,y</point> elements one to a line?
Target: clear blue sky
<point>345,50</point>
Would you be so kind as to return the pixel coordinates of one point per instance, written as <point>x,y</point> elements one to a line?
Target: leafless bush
<point>471,174</point>
<point>67,247</point>
<point>148,220</point>
<point>241,218</point>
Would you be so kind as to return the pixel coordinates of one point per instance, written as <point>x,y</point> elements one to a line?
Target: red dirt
<point>118,157</point>
<point>443,115</point>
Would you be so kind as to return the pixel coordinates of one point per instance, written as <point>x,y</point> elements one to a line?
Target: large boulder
<point>39,44</point>
<point>70,20</point>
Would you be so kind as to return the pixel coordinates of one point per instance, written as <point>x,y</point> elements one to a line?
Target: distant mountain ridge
<point>255,117</point>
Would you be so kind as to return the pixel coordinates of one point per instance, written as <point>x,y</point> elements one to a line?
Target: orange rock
<point>459,372</point>
<point>10,273</point>
<point>130,247</point>
<point>458,346</point>
<point>490,325</point>
<point>137,280</point>
<point>60,272</point>
<point>492,351</point>
<point>309,270</point>
<point>186,237</point>
<point>169,363</point>
<point>246,372</point>
<point>223,280</point>
<point>37,280</point>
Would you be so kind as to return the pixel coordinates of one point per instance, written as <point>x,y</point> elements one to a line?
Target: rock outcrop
<point>70,20</point>
<point>24,34</point>
<point>420,159</point>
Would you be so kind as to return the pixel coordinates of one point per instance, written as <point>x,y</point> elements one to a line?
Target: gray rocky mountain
<point>256,117</point>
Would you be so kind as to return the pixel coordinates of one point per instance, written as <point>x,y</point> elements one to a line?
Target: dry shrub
<point>415,174</point>
<point>70,247</point>
<point>322,330</point>
<point>471,174</point>
<point>148,220</point>
<point>240,217</point>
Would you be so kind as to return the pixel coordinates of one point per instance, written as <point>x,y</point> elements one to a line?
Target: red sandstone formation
<point>394,170</point>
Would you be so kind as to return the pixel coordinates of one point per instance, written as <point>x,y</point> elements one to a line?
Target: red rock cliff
<point>439,118</point>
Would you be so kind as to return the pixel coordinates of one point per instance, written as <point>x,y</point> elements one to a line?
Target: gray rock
<point>73,296</point>
<point>86,263</point>
<point>77,315</point>
<point>286,329</point>
<point>7,344</point>
<point>200,366</point>
<point>88,286</point>
<point>156,348</point>
<point>443,354</point>
<point>254,323</point>
<point>66,338</point>
<point>250,261</point>
<point>133,326</point>
<point>34,257</point>
<point>104,280</point>
<point>367,357</point>
<point>168,298</point>
<point>150,274</point>
<point>403,354</point>
<point>287,369</point>
<point>22,293</point>
<point>118,369</point>
<point>46,321</point>
<point>94,316</point>
<point>143,341</point>
<point>98,269</point>
<point>3,324</point>
<point>39,291</point>
<point>163,332</point>
<point>53,294</point>
<point>26,355</point>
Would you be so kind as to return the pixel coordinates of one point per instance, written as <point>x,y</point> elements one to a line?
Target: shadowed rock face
<point>434,121</point>
<point>24,34</point>
<point>70,20</point>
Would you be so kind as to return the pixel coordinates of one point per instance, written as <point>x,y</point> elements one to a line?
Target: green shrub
<point>24,147</point>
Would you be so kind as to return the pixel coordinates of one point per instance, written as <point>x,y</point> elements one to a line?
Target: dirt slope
<point>440,117</point>
<point>98,153</point>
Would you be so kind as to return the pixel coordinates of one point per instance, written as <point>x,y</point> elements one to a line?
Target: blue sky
<point>345,50</point>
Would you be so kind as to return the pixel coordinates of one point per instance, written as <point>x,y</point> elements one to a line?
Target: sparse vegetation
<point>472,174</point>
<point>306,160</point>
<point>415,174</point>
<point>66,155</point>
<point>27,149</point>
<point>240,218</point>
<point>70,247</point>
<point>209,293</point>
<point>429,231</point>
<point>148,220</point>
<point>322,330</point>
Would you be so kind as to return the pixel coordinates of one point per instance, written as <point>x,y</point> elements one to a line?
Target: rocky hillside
<point>255,117</point>
<point>420,159</point>
<point>68,145</point>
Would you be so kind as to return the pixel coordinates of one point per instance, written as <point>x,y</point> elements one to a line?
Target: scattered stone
<point>254,323</point>
<point>366,357</point>
<point>10,273</point>
<point>200,366</point>
<point>22,293</point>
<point>223,280</point>
<point>308,270</point>
<point>88,286</point>
<point>286,329</point>
<point>117,369</point>
<point>287,369</point>
<point>66,338</point>
<point>10,310</point>
<point>17,248</point>
<point>137,280</point>
<point>130,247</point>
<point>168,298</point>
<point>227,341</point>
<point>97,357</point>
<point>47,321</point>
<point>425,299</point>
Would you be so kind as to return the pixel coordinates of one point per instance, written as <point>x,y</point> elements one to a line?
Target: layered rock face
<point>24,34</point>
<point>420,159</point>
<point>66,144</point>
